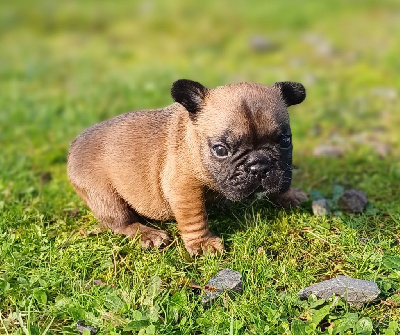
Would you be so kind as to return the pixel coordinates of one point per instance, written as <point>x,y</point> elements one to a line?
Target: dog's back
<point>117,153</point>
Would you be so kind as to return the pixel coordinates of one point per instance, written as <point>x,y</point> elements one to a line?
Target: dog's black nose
<point>260,169</point>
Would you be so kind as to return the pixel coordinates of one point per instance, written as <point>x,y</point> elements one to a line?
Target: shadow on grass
<point>228,218</point>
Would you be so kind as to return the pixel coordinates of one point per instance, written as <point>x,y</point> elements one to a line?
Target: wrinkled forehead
<point>258,111</point>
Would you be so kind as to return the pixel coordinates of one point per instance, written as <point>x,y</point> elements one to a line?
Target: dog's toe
<point>154,238</point>
<point>211,244</point>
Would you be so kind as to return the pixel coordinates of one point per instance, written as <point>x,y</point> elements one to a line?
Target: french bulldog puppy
<point>158,164</point>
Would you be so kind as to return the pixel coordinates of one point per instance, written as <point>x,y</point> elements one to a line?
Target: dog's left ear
<point>189,94</point>
<point>292,93</point>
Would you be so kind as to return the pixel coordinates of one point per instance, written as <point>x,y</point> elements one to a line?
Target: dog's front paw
<point>210,244</point>
<point>153,238</point>
<point>293,198</point>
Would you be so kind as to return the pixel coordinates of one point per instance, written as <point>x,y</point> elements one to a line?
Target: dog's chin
<point>238,191</point>
<point>274,191</point>
<point>236,195</point>
<point>274,184</point>
<point>277,183</point>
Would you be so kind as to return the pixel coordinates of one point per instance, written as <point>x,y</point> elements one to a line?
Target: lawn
<point>67,65</point>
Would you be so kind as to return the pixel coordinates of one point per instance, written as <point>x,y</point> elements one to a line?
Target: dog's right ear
<point>292,93</point>
<point>190,94</point>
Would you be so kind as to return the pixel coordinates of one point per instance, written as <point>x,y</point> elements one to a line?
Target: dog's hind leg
<point>114,212</point>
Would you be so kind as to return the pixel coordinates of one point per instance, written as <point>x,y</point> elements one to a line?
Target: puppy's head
<point>243,133</point>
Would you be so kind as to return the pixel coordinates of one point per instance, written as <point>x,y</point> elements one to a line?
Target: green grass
<point>66,65</point>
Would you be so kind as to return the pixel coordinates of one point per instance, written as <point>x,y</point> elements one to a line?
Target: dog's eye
<point>220,151</point>
<point>286,142</point>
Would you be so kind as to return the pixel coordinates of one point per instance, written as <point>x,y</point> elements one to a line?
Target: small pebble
<point>261,44</point>
<point>366,240</point>
<point>320,207</point>
<point>226,279</point>
<point>353,201</point>
<point>385,92</point>
<point>354,291</point>
<point>45,177</point>
<point>382,149</point>
<point>322,46</point>
<point>81,327</point>
<point>328,151</point>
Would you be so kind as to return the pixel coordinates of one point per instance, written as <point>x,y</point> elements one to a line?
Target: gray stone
<point>366,240</point>
<point>320,207</point>
<point>309,79</point>
<point>382,149</point>
<point>226,279</point>
<point>261,44</point>
<point>321,45</point>
<point>354,291</point>
<point>328,151</point>
<point>45,177</point>
<point>81,327</point>
<point>385,92</point>
<point>352,201</point>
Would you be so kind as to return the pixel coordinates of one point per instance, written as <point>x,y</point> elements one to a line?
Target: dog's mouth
<point>279,182</point>
<point>241,185</point>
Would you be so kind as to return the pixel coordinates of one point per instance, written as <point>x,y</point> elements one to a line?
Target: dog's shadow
<point>227,218</point>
